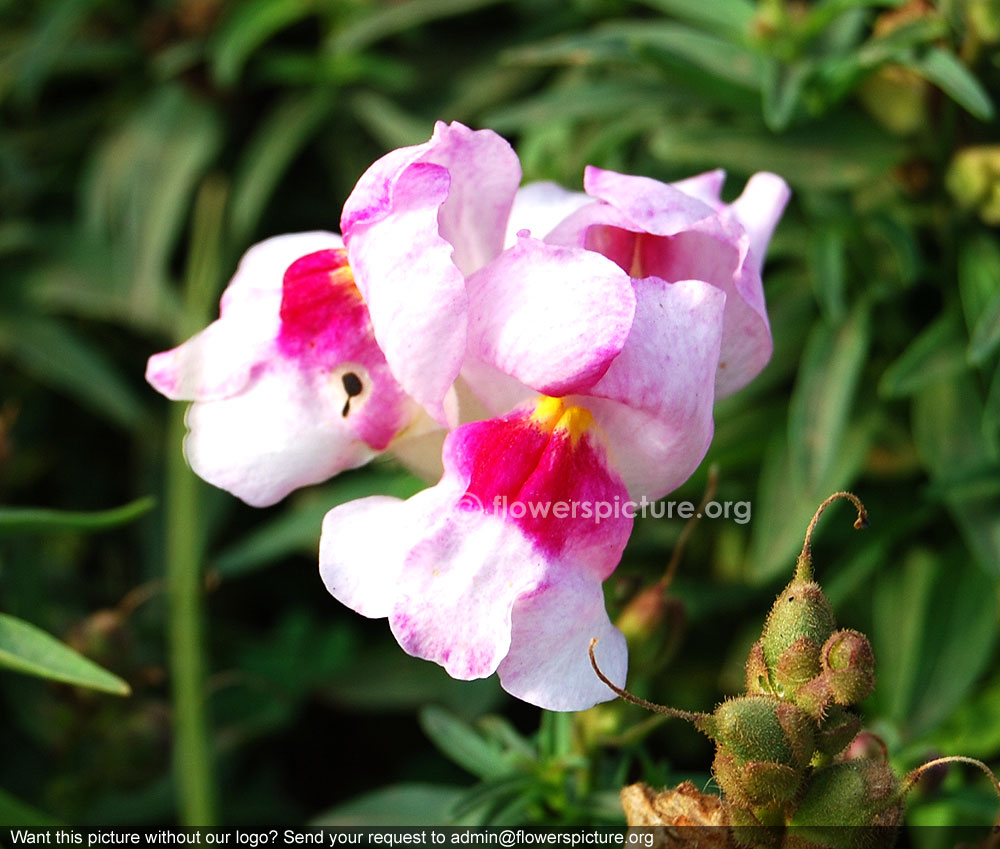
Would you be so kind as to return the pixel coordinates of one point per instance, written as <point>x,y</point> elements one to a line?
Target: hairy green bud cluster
<point>780,755</point>
<point>794,770</point>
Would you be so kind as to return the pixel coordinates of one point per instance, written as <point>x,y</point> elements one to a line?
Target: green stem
<point>194,773</point>
<point>193,769</point>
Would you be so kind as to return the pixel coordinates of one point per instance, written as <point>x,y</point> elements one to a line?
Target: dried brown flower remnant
<point>676,811</point>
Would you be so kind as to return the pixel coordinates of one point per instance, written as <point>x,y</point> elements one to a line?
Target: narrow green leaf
<point>841,154</point>
<point>972,729</point>
<point>138,194</point>
<point>935,625</point>
<point>978,273</point>
<point>26,520</point>
<point>247,27</point>
<point>991,411</point>
<point>822,402</point>
<point>408,804</point>
<point>390,125</point>
<point>58,357</point>
<point>384,21</point>
<point>937,353</point>
<point>782,90</point>
<point>783,506</point>
<point>950,440</point>
<point>824,14</point>
<point>986,333</point>
<point>50,36</point>
<point>946,71</point>
<point>578,50</point>
<point>25,648</point>
<point>829,272</point>
<point>723,59</point>
<point>724,17</point>
<point>596,100</point>
<point>901,605</point>
<point>462,744</point>
<point>280,138</point>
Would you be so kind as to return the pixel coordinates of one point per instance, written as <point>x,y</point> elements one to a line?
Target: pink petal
<point>759,209</point>
<point>653,207</point>
<point>697,255</point>
<point>705,187</point>
<point>415,294</point>
<point>418,221</point>
<point>217,362</point>
<point>451,565</point>
<point>662,385</point>
<point>212,364</point>
<point>262,267</point>
<point>457,589</point>
<point>548,663</point>
<point>544,468</point>
<point>551,317</point>
<point>654,229</point>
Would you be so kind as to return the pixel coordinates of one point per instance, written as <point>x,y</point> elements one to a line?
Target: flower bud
<point>849,666</point>
<point>653,624</point>
<point>867,746</point>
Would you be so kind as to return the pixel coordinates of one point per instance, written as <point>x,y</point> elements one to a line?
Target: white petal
<point>280,433</point>
<point>548,663</point>
<point>539,207</point>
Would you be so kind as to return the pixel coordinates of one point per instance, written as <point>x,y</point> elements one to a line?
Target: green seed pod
<point>763,746</point>
<point>800,623</point>
<point>849,666</point>
<point>862,794</point>
<point>749,832</point>
<point>801,613</point>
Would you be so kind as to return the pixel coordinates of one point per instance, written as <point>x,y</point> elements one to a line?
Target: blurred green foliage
<point>145,145</point>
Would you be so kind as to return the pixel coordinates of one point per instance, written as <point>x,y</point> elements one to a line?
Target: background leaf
<point>25,648</point>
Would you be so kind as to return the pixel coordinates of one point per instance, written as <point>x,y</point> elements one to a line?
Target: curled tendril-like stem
<point>913,776</point>
<point>803,567</point>
<point>625,694</point>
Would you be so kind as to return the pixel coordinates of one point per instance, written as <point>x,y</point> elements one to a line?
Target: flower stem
<point>194,774</point>
<point>192,758</point>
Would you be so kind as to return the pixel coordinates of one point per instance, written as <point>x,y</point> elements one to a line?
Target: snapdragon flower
<point>571,345</point>
<point>288,384</point>
<point>480,588</point>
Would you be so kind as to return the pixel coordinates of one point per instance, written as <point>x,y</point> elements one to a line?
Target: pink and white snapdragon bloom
<point>582,338</point>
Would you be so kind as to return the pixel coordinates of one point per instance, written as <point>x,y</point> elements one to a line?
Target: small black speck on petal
<point>352,384</point>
